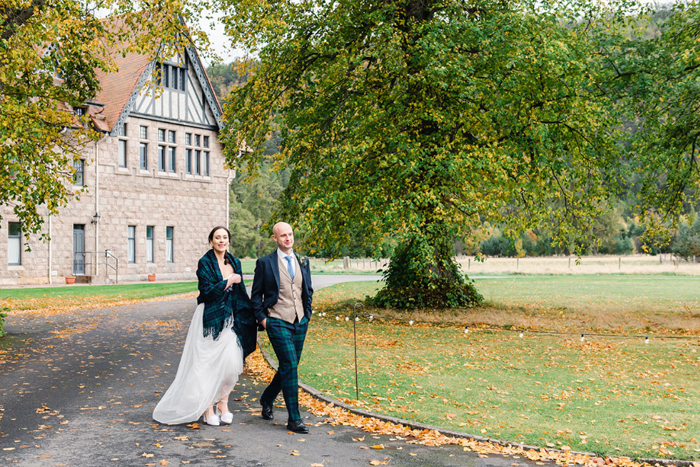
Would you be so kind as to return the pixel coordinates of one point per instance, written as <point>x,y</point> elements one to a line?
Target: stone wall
<point>191,204</point>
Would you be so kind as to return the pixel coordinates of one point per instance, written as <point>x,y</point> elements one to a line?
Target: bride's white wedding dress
<point>208,371</point>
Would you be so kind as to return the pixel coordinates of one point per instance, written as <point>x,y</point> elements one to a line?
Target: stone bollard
<point>346,262</point>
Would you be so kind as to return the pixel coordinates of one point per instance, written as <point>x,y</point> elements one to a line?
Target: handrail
<point>96,255</point>
<point>108,254</point>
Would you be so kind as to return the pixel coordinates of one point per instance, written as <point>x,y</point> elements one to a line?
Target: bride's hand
<point>233,279</point>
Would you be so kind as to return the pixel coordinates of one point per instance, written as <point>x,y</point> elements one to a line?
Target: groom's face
<point>284,236</point>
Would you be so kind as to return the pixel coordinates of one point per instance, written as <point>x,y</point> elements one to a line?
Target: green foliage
<point>687,243</point>
<point>657,83</point>
<point>251,206</point>
<point>3,315</point>
<point>409,117</point>
<point>224,78</point>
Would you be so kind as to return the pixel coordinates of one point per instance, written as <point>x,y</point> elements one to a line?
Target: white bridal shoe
<point>213,420</point>
<point>225,417</point>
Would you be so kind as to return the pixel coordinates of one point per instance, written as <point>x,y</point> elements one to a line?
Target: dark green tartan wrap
<point>225,309</point>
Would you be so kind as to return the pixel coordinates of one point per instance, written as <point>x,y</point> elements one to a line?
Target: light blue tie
<point>290,269</point>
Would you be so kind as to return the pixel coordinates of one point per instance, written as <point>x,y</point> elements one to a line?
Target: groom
<point>281,297</point>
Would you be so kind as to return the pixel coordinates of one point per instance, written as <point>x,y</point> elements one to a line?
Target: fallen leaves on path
<point>55,305</point>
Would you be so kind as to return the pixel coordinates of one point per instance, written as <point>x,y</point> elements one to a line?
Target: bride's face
<point>220,241</point>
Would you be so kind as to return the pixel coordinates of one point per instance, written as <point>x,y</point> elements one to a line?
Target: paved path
<point>79,389</point>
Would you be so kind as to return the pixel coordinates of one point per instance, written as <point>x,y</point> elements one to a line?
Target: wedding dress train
<point>208,371</point>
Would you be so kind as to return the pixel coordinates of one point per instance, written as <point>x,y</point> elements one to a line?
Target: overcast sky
<point>220,43</point>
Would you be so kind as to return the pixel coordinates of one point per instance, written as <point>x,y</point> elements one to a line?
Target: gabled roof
<point>118,87</point>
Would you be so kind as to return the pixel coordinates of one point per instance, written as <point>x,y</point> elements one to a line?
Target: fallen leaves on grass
<point>259,369</point>
<point>55,305</point>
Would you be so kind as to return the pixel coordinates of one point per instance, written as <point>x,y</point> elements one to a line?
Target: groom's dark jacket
<point>266,285</point>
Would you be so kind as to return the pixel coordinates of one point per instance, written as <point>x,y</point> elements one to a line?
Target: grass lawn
<point>610,395</point>
<point>635,293</point>
<point>146,290</point>
<point>63,298</point>
<point>57,299</point>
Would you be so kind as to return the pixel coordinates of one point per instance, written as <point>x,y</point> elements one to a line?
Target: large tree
<point>51,52</point>
<point>419,119</point>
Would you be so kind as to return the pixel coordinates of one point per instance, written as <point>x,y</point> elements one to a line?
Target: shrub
<point>424,275</point>
<point>687,242</point>
<point>3,315</point>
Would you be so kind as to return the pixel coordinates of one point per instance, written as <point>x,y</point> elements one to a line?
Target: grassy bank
<point>56,299</point>
<point>610,394</point>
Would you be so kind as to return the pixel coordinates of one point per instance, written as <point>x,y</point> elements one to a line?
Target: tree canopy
<point>421,119</point>
<point>658,80</point>
<point>51,52</point>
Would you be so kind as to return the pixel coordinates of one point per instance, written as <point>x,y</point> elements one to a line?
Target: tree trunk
<point>423,274</point>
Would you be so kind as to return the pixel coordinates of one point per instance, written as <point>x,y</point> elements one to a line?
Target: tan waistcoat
<point>289,305</point>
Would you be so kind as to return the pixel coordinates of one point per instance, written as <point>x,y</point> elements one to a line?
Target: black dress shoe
<point>297,426</point>
<point>266,411</point>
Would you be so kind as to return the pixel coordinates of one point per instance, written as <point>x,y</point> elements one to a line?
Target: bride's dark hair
<point>211,237</point>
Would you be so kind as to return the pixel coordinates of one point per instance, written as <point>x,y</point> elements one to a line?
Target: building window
<point>143,156</point>
<point>171,137</point>
<point>171,157</point>
<point>198,162</point>
<point>143,132</point>
<point>166,75</point>
<point>169,244</point>
<point>188,161</point>
<point>206,141</point>
<point>197,140</point>
<point>132,244</point>
<point>161,135</point>
<point>122,152</point>
<point>149,244</point>
<point>161,158</point>
<point>79,175</point>
<point>206,164</point>
<point>172,76</point>
<point>122,130</point>
<point>188,139</point>
<point>14,241</point>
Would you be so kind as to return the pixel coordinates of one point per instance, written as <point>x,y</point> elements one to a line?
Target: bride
<point>212,358</point>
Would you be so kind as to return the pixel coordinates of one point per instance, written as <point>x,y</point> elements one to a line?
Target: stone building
<point>156,183</point>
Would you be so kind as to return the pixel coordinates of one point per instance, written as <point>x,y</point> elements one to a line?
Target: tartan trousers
<point>287,340</point>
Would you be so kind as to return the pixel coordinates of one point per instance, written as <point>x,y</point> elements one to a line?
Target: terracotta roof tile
<point>117,87</point>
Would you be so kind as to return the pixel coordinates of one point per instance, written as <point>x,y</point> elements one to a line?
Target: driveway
<point>79,388</point>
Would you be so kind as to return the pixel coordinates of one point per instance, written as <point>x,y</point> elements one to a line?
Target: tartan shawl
<point>220,307</point>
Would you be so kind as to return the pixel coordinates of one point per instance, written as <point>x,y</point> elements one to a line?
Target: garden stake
<point>354,331</point>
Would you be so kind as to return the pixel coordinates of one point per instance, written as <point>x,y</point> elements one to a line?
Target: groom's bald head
<point>283,235</point>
